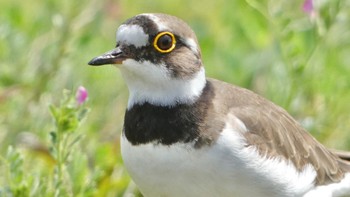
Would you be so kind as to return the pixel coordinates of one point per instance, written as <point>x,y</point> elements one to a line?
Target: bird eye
<point>164,42</point>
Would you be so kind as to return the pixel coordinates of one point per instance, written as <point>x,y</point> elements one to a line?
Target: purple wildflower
<point>308,6</point>
<point>81,95</point>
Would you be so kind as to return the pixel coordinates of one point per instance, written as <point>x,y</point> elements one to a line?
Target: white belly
<point>227,168</point>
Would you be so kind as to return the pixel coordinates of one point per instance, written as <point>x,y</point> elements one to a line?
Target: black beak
<point>115,56</point>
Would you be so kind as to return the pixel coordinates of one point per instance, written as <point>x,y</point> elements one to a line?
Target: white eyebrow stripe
<point>133,35</point>
<point>192,44</point>
<point>160,25</point>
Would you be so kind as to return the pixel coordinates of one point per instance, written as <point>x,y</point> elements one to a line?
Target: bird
<point>188,135</point>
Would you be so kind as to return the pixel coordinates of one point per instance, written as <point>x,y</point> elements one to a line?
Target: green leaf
<point>54,112</point>
<point>53,137</point>
<point>83,113</point>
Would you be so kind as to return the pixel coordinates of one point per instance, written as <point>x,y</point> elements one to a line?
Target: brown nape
<point>274,133</point>
<point>177,62</point>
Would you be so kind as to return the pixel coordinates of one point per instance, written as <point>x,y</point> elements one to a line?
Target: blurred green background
<point>299,60</point>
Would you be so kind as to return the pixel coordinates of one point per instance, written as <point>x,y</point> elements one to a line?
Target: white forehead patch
<point>133,35</point>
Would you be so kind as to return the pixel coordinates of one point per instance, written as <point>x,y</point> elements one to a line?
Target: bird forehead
<point>132,34</point>
<point>160,24</point>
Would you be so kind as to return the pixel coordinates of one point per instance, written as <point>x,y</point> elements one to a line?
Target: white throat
<point>152,83</point>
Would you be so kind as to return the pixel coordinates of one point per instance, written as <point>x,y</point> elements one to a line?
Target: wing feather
<point>272,131</point>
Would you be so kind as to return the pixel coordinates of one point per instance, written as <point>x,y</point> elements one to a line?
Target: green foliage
<point>298,60</point>
<point>18,182</point>
<point>67,117</point>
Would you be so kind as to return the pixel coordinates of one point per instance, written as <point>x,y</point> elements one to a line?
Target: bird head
<point>159,58</point>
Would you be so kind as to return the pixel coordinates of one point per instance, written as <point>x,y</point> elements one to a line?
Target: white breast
<point>227,168</point>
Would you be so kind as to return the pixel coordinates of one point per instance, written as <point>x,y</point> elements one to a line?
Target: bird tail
<point>344,159</point>
<point>344,155</point>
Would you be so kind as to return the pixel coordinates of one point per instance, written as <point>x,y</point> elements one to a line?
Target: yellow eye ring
<point>162,43</point>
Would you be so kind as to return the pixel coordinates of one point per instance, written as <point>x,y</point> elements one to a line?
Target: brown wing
<point>275,133</point>
<point>344,155</point>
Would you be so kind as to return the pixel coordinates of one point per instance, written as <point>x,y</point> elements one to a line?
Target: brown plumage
<point>274,133</point>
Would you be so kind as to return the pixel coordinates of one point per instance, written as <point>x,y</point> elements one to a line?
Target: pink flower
<point>308,6</point>
<point>81,95</point>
